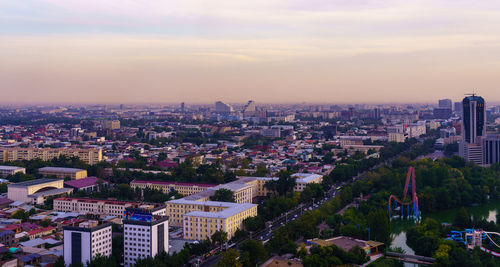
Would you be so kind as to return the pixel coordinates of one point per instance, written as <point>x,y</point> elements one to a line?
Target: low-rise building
<point>7,238</point>
<point>10,170</point>
<point>303,179</point>
<point>184,189</point>
<point>21,191</point>
<point>84,242</point>
<point>63,173</point>
<point>88,184</point>
<point>93,206</point>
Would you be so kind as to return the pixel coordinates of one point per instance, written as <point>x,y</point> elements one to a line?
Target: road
<point>294,214</point>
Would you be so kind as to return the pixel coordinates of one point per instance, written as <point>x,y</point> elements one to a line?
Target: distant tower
<point>223,108</point>
<point>473,119</point>
<point>121,106</point>
<point>473,128</point>
<point>183,108</point>
<point>445,103</point>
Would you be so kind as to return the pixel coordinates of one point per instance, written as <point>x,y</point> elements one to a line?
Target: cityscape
<point>242,134</point>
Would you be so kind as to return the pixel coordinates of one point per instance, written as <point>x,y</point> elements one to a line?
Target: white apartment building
<point>84,242</point>
<point>145,234</point>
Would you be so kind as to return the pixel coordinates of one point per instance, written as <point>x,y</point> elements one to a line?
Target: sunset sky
<point>124,51</point>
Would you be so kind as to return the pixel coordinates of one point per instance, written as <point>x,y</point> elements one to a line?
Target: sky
<point>324,51</point>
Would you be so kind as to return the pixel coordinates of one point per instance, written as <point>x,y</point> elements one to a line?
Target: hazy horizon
<point>286,51</point>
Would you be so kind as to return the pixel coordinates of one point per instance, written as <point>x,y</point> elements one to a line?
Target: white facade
<point>82,244</point>
<point>144,239</point>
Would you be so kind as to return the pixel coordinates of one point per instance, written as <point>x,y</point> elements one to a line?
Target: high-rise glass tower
<point>473,119</point>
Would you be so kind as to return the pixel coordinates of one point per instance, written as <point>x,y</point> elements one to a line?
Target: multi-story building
<point>84,242</point>
<point>145,233</point>
<point>90,156</point>
<point>111,124</point>
<point>491,149</point>
<point>271,132</point>
<point>473,129</point>
<point>200,219</point>
<point>223,108</point>
<point>7,238</point>
<point>63,173</point>
<point>184,189</point>
<point>10,170</point>
<point>303,179</point>
<point>93,206</point>
<point>445,103</point>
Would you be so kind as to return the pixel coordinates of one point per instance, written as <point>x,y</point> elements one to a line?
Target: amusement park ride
<point>408,209</point>
<point>474,238</point>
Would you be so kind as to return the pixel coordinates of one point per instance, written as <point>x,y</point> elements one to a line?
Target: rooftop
<point>81,183</point>
<point>33,182</point>
<point>226,213</point>
<point>91,200</point>
<point>171,183</point>
<point>60,169</point>
<point>9,168</point>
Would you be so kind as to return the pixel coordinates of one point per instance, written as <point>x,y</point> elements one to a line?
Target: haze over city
<point>104,51</point>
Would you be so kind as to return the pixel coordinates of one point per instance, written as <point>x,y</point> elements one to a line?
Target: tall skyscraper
<point>183,107</point>
<point>473,119</point>
<point>458,107</point>
<point>223,108</point>
<point>473,129</point>
<point>445,103</point>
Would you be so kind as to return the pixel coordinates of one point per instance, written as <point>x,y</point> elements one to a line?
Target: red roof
<point>90,200</point>
<point>81,183</point>
<point>172,183</point>
<point>33,232</point>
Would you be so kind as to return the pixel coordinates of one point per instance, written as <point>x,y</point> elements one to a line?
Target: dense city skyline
<point>269,51</point>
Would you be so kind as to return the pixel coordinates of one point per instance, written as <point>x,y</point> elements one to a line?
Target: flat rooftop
<point>10,168</point>
<point>34,182</point>
<point>60,169</point>
<point>171,183</point>
<point>226,213</point>
<point>92,200</point>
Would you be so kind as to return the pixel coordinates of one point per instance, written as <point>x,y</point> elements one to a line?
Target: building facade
<point>84,242</point>
<point>184,189</point>
<point>10,170</point>
<point>22,191</point>
<point>90,156</point>
<point>93,206</point>
<point>145,234</point>
<point>473,129</point>
<point>63,173</point>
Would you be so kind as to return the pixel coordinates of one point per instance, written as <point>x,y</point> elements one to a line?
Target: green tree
<point>380,226</point>
<point>261,170</point>
<point>252,252</point>
<point>223,195</point>
<point>219,237</point>
<point>462,218</point>
<point>101,261</point>
<point>21,215</point>
<point>59,262</point>
<point>3,188</point>
<point>229,259</point>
